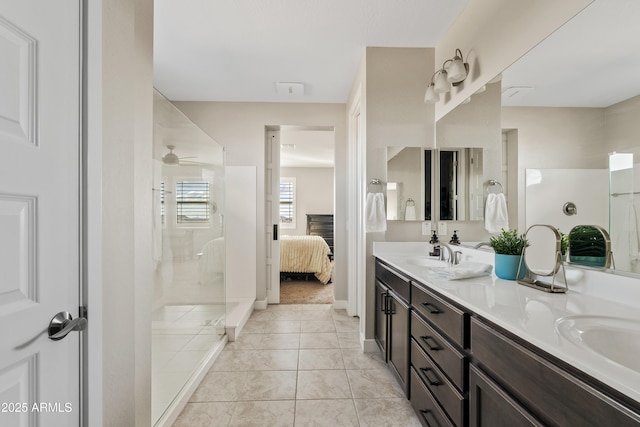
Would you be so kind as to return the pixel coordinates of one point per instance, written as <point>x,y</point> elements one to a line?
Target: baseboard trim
<point>340,304</point>
<point>369,345</point>
<point>260,305</point>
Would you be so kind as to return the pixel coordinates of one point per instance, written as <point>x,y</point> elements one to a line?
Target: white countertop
<point>529,313</point>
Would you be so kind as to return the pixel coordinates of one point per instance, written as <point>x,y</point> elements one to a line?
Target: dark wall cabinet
<point>461,370</point>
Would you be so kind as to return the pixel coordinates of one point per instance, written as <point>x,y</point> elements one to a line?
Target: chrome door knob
<point>62,323</point>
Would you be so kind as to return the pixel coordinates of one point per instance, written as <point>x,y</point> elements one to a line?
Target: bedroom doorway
<point>305,214</point>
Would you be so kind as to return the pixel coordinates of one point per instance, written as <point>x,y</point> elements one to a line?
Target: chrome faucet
<point>454,256</point>
<point>481,244</point>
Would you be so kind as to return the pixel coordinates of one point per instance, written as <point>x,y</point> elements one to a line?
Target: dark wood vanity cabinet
<point>439,335</point>
<point>459,369</point>
<point>392,321</point>
<point>517,382</point>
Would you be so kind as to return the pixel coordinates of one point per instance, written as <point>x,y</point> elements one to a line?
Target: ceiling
<point>237,50</point>
<point>214,50</point>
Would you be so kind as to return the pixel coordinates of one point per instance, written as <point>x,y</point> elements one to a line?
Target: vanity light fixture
<point>431,97</point>
<point>458,69</point>
<point>453,72</point>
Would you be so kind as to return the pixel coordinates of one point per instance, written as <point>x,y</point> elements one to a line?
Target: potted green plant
<point>508,246</point>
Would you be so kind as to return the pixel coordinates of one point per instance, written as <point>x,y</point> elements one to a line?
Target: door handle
<point>62,323</point>
<point>275,231</point>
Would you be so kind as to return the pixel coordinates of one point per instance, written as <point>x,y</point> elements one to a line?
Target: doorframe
<point>356,301</point>
<point>279,128</point>
<point>91,188</point>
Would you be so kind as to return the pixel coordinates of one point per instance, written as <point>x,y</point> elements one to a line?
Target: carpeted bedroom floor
<point>305,292</point>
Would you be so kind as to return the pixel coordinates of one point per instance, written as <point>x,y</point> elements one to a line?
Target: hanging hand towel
<point>496,216</point>
<point>375,219</point>
<point>410,213</point>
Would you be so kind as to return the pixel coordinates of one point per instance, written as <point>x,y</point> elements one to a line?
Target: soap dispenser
<point>454,239</point>
<point>436,244</point>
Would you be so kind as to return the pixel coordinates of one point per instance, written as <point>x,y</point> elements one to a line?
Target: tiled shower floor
<point>182,335</point>
<point>298,365</point>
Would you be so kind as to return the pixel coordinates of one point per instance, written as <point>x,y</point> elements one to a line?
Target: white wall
<point>119,151</point>
<point>555,138</point>
<point>240,128</point>
<point>240,231</point>
<point>394,81</point>
<point>314,195</point>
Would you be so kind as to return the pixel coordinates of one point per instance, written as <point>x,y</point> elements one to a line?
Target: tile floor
<point>298,365</point>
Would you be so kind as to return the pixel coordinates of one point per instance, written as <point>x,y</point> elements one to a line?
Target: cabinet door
<point>399,338</point>
<point>490,406</point>
<point>381,319</point>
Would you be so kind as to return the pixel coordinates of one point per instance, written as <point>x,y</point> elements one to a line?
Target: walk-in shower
<point>189,306</point>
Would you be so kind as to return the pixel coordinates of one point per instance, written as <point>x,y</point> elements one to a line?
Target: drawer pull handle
<point>434,382</point>
<point>383,303</point>
<point>429,418</point>
<point>432,308</point>
<point>433,345</point>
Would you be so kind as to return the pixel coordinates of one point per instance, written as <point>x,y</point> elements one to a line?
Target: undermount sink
<point>426,262</point>
<point>615,338</point>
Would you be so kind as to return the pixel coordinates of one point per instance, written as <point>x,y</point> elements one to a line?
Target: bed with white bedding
<point>306,254</point>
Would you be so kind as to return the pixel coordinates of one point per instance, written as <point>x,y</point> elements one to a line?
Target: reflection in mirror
<point>404,184</point>
<point>460,184</point>
<point>590,246</point>
<point>413,172</point>
<point>560,123</point>
<point>543,257</point>
<point>624,229</point>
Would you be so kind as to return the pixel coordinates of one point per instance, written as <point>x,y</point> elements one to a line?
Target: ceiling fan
<point>172,158</point>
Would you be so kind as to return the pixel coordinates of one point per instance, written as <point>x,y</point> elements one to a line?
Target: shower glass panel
<point>188,254</point>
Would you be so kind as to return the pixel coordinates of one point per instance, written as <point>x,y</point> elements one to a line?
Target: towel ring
<point>410,202</point>
<point>377,182</point>
<point>494,183</point>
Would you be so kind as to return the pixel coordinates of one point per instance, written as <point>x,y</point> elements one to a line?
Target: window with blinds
<point>287,202</point>
<point>192,202</point>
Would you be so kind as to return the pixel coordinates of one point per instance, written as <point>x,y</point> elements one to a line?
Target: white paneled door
<point>40,118</point>
<point>272,215</point>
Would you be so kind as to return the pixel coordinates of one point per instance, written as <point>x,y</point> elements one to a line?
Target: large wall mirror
<point>425,184</point>
<point>567,105</point>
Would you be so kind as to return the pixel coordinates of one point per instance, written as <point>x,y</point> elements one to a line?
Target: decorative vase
<point>507,267</point>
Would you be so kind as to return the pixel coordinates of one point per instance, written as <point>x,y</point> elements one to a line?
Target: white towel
<point>410,213</point>
<point>463,270</point>
<point>375,219</point>
<point>496,216</point>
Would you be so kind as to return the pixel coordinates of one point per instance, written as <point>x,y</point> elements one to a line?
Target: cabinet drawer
<point>445,355</point>
<point>451,400</point>
<point>429,412</point>
<point>552,394</point>
<point>450,319</point>
<point>395,281</point>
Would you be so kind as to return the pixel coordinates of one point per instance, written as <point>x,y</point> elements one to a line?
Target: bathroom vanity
<point>490,352</point>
